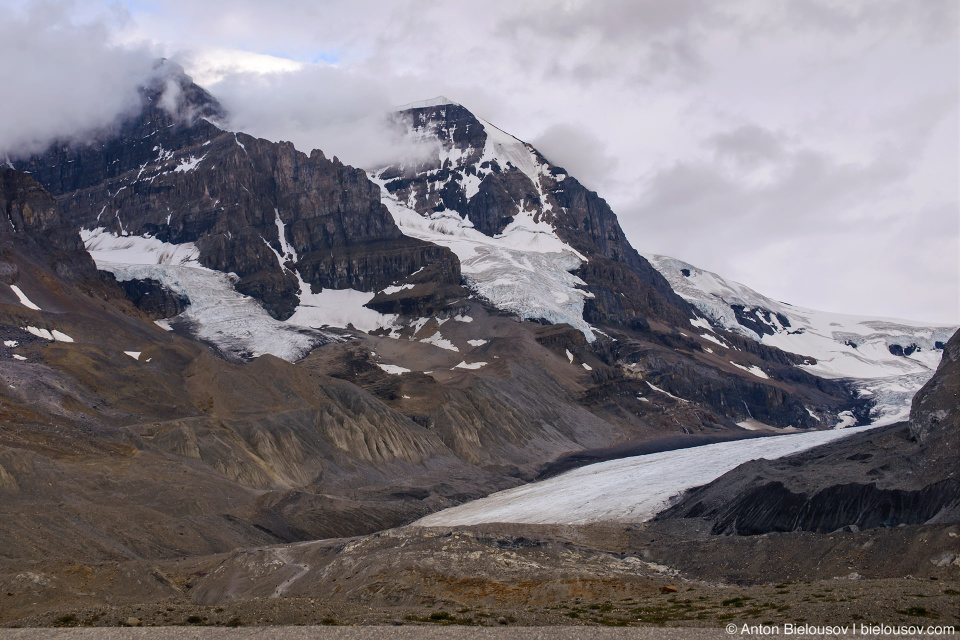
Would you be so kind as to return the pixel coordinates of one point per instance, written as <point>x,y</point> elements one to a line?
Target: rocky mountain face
<point>498,203</point>
<point>935,412</point>
<point>497,184</point>
<point>34,225</point>
<point>289,225</point>
<point>901,474</point>
<point>884,361</point>
<point>170,173</point>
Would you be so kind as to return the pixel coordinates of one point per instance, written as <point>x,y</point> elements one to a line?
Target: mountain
<point>214,343</point>
<point>228,222</point>
<point>485,186</point>
<point>886,360</point>
<point>329,351</point>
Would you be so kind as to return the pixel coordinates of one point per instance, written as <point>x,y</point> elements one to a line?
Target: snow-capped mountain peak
<point>486,196</point>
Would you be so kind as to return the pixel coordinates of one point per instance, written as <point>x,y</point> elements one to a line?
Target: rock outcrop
<point>33,223</point>
<point>935,412</point>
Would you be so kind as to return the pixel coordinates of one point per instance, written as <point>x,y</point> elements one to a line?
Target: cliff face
<point>259,209</point>
<point>33,222</point>
<point>935,412</point>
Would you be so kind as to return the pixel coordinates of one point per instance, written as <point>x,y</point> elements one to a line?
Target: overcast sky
<point>806,148</point>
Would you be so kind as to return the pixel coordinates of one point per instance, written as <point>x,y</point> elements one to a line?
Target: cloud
<point>748,146</point>
<point>642,40</point>
<point>578,151</point>
<point>815,230</point>
<point>318,106</point>
<point>62,80</point>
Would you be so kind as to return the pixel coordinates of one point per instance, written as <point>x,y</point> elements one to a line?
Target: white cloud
<point>578,151</point>
<point>317,106</point>
<point>60,79</point>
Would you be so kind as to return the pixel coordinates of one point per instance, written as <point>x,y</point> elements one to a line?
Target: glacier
<point>521,272</point>
<point>626,490</point>
<point>854,348</point>
<point>217,314</point>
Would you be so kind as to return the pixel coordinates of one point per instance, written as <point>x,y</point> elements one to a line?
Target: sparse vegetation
<point>66,620</point>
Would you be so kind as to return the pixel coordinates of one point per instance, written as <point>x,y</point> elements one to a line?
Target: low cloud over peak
<point>63,80</point>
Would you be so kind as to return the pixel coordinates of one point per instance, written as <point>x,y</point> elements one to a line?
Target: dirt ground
<point>496,575</point>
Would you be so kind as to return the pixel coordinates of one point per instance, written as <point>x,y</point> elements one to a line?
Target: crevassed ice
<point>845,346</point>
<point>525,272</point>
<point>217,313</point>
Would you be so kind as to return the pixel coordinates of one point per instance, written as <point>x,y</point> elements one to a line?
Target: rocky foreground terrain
<point>232,374</point>
<point>679,569</point>
<point>515,574</point>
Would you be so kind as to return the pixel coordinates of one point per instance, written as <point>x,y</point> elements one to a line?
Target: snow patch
<point>438,340</point>
<point>40,333</point>
<point>569,355</point>
<point>477,342</point>
<point>339,308</point>
<point>473,365</point>
<point>752,369</point>
<point>666,393</point>
<point>714,340</point>
<point>133,354</point>
<point>393,369</point>
<point>396,289</point>
<point>17,356</point>
<point>11,343</point>
<point>701,324</point>
<point>189,164</point>
<point>24,300</point>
